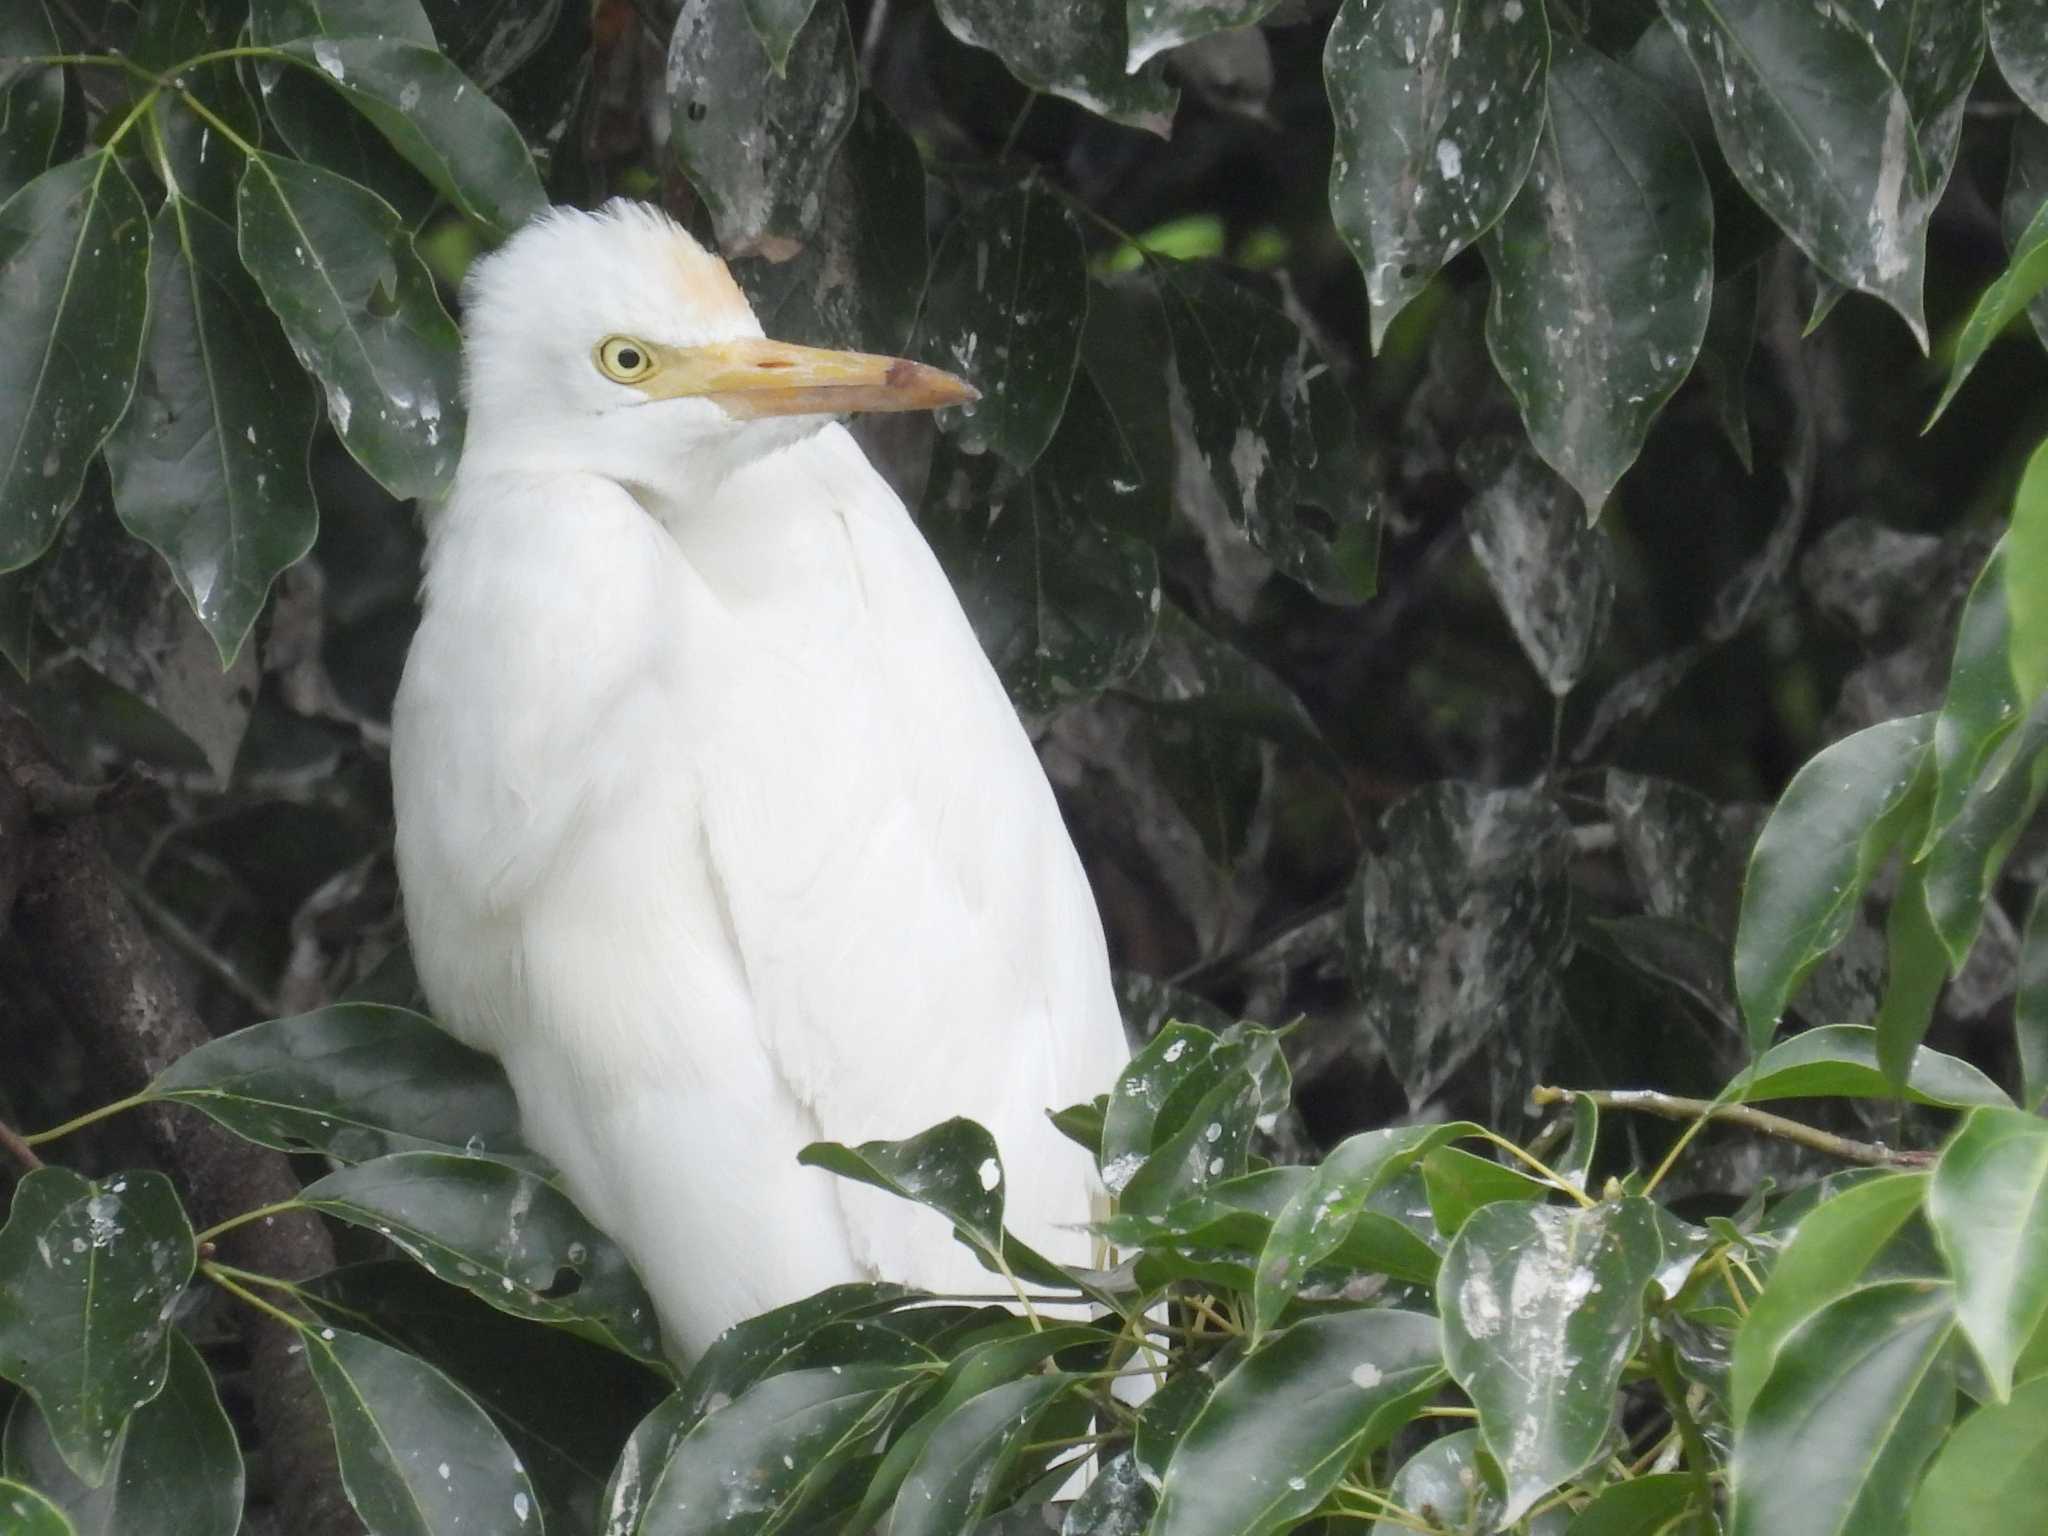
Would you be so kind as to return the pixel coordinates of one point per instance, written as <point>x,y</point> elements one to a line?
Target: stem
<point>11,1141</point>
<point>1543,1170</point>
<point>1017,127</point>
<point>1700,1111</point>
<point>1664,1364</point>
<point>212,119</point>
<point>233,1222</point>
<point>134,1100</point>
<point>220,1277</point>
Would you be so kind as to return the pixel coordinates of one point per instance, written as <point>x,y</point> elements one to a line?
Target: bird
<point>714,823</point>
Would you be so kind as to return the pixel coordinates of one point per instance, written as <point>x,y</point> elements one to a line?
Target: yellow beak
<point>773,378</point>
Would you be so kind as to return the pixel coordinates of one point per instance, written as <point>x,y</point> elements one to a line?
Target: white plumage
<point>714,823</point>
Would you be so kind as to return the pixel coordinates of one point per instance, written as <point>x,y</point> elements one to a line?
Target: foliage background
<point>1276,529</point>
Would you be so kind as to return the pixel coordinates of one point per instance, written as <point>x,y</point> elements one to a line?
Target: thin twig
<point>19,1150</point>
<point>1671,1107</point>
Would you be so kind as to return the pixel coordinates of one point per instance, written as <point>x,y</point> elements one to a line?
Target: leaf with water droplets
<point>1445,1483</point>
<point>89,1273</point>
<point>963,1470</point>
<point>1070,48</point>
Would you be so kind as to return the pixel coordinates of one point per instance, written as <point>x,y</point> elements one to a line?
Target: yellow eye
<point>624,359</point>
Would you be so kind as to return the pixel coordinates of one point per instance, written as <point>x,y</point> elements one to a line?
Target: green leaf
<point>418,1456</point>
<point>175,1470</point>
<point>1182,1060</point>
<point>1837,820</point>
<point>2023,280</point>
<point>209,465</point>
<point>1962,866</point>
<point>1118,1503</point>
<point>1916,965</point>
<point>757,142</point>
<point>1459,1183</point>
<point>1820,134</point>
<point>2030,1006</point>
<point>490,39</point>
<point>1445,1484</point>
<point>640,1462</point>
<point>1542,1306</point>
<point>1724,358</point>
<point>2019,41</point>
<point>1075,50</point>
<point>1641,1506</point>
<point>777,23</point>
<point>74,285</point>
<point>1856,1402</point>
<point>2026,578</point>
<point>962,1473</point>
<point>1125,349</point>
<point>760,1346</point>
<point>1983,703</point>
<point>953,1168</point>
<point>89,1273</point>
<point>339,270</point>
<point>1282,1427</point>
<point>2026,193</point>
<point>1840,1061</point>
<point>30,1513</point>
<point>277,21</point>
<point>1153,26</point>
<point>1603,272</point>
<point>1988,1203</point>
<point>1190,670</point>
<point>753,1466</point>
<point>502,1234</point>
<point>1004,310</point>
<point>355,1081</point>
<point>1826,1259</point>
<point>31,100</point>
<point>1987,1476</point>
<point>1436,127</point>
<point>445,126</point>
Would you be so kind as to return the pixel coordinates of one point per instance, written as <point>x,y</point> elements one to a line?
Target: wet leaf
<point>1828,1255</point>
<point>502,1234</point>
<point>175,1470</point>
<point>1838,819</point>
<point>1281,1428</point>
<point>1983,703</point>
<point>339,271</point>
<point>1541,1308</point>
<point>2019,42</point>
<point>1436,127</point>
<point>74,285</point>
<point>355,1081</point>
<point>756,142</point>
<point>1455,929</point>
<point>962,1472</point>
<point>1153,26</point>
<point>1841,1061</point>
<point>1548,568</point>
<point>209,464</point>
<point>1854,1406</point>
<point>1987,1476</point>
<point>953,1168</point>
<point>418,1456</point>
<point>2014,290</point>
<point>1988,1203</point>
<point>1445,1484</point>
<point>1820,135</point>
<point>1069,48</point>
<point>1602,272</point>
<point>89,1273</point>
<point>1963,864</point>
<point>1004,310</point>
<point>1118,1503</point>
<point>2030,1007</point>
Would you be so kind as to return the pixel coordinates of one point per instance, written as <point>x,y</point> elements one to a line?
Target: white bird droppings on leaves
<point>1175,1051</point>
<point>1365,1377</point>
<point>1450,160</point>
<point>521,1506</point>
<point>991,1173</point>
<point>328,57</point>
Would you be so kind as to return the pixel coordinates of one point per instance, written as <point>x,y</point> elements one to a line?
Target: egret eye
<point>623,359</point>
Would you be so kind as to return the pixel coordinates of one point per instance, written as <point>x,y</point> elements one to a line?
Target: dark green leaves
<point>1989,1207</point>
<point>503,1234</point>
<point>1281,1428</point>
<point>88,1275</point>
<point>756,140</point>
<point>210,462</point>
<point>74,285</point>
<point>965,1464</point>
<point>1541,1307</point>
<point>1602,272</point>
<point>1072,48</point>
<point>1437,114</point>
<point>30,1513</point>
<point>1988,1474</point>
<point>339,271</point>
<point>1841,1061</point>
<point>2019,42</point>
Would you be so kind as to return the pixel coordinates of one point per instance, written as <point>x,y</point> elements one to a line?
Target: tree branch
<point>1646,1101</point>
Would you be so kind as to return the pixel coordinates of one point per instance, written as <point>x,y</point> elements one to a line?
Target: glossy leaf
<point>1841,1061</point>
<point>777,23</point>
<point>753,1465</point>
<point>502,1234</point>
<point>953,1168</point>
<point>2019,41</point>
<point>1983,703</point>
<point>1550,571</point>
<point>2022,282</point>
<point>1281,1428</point>
<point>355,1081</point>
<point>1004,310</point>
<point>209,464</point>
<point>30,1513</point>
<point>641,1459</point>
<point>1964,863</point>
<point>1987,1476</point>
<point>1153,26</point>
<point>1071,48</point>
<point>89,1273</point>
<point>1453,930</point>
<point>1541,1308</point>
<point>1445,1484</point>
<point>757,142</point>
<point>1460,1182</point>
<point>1118,1503</point>
<point>961,1473</point>
<point>1639,1506</point>
<point>1916,965</point>
<point>338,269</point>
<point>1830,1252</point>
<point>418,1456</point>
<point>1830,830</point>
<point>2026,578</point>
<point>278,21</point>
<point>1855,1404</point>
<point>1820,135</point>
<point>74,285</point>
<point>1183,1060</point>
<point>2030,1006</point>
<point>759,1346</point>
<point>1602,272</point>
<point>1436,127</point>
<point>2026,192</point>
<point>175,1470</point>
<point>31,100</point>
<point>1988,1203</point>
<point>445,126</point>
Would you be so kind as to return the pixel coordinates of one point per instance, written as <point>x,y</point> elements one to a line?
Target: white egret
<point>714,823</point>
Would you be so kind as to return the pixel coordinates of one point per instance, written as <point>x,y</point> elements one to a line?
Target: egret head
<point>612,343</point>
